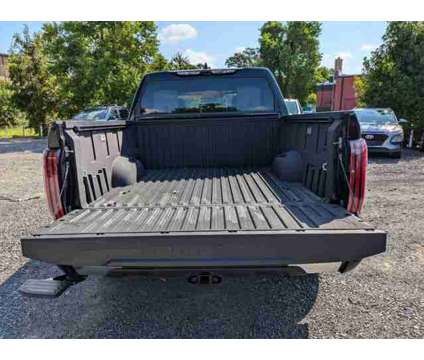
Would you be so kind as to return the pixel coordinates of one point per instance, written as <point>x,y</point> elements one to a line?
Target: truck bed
<point>206,218</point>
<point>174,200</point>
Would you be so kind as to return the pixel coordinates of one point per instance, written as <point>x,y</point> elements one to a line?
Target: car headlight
<point>397,138</point>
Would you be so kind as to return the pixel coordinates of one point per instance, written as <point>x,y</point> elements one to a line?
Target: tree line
<point>68,66</point>
<point>291,51</point>
<point>393,75</point>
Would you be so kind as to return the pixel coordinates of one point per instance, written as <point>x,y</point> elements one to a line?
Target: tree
<point>8,112</point>
<point>100,62</point>
<point>359,86</point>
<point>159,63</point>
<point>35,88</point>
<point>323,74</point>
<point>395,72</point>
<point>203,66</point>
<point>311,98</point>
<point>249,57</point>
<point>291,51</point>
<point>180,62</point>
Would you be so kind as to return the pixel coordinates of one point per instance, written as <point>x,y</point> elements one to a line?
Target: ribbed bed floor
<point>175,200</point>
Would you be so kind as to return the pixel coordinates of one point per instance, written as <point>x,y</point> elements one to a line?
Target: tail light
<point>51,183</point>
<point>358,160</point>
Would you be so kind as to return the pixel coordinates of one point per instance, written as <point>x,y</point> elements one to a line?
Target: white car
<point>381,130</point>
<point>293,106</point>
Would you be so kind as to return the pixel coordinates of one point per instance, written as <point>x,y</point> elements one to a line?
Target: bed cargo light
<point>357,175</point>
<point>51,183</point>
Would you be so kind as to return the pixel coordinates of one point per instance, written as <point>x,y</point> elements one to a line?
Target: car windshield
<point>376,117</point>
<point>207,94</point>
<point>292,107</point>
<point>92,114</point>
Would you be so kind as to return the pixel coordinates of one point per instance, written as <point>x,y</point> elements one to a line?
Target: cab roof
<point>238,72</point>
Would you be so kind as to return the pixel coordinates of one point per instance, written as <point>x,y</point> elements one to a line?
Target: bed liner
<point>211,199</point>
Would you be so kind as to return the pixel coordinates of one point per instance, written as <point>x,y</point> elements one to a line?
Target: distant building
<point>345,96</point>
<point>338,66</point>
<point>3,67</point>
<point>325,96</point>
<point>339,94</point>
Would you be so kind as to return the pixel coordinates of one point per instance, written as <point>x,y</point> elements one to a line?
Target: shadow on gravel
<point>23,145</point>
<point>140,307</point>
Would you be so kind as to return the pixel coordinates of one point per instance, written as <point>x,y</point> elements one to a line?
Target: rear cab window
<point>207,94</point>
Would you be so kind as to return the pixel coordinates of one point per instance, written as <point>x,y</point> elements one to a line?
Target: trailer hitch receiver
<point>205,278</point>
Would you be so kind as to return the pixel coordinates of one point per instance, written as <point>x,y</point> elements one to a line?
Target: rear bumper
<point>292,269</point>
<point>206,250</point>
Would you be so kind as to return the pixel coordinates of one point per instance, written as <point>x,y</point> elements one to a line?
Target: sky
<point>214,42</point>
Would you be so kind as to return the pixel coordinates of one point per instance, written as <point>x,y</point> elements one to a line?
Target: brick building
<point>325,96</point>
<point>340,94</point>
<point>3,66</point>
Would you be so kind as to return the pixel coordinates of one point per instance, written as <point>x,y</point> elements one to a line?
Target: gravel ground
<point>382,298</point>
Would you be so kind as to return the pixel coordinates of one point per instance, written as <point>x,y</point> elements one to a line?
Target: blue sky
<point>213,42</point>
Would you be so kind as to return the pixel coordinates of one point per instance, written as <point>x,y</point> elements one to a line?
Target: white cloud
<point>199,57</point>
<point>176,33</point>
<point>239,49</point>
<point>368,47</point>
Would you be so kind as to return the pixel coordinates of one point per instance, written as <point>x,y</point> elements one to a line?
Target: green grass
<point>19,131</point>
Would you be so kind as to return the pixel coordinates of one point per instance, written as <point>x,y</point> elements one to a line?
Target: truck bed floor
<point>175,200</point>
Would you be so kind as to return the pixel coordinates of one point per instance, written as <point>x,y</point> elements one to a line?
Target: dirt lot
<point>382,298</point>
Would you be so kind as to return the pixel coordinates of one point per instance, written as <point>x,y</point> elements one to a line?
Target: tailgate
<point>205,249</point>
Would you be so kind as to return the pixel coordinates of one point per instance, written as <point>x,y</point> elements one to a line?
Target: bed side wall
<point>315,137</point>
<point>94,148</point>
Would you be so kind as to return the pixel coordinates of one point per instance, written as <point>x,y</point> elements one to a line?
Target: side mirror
<point>403,121</point>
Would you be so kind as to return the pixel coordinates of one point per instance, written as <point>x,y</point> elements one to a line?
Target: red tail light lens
<point>51,183</point>
<point>357,175</point>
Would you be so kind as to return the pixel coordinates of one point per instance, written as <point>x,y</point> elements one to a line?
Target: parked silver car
<point>381,130</point>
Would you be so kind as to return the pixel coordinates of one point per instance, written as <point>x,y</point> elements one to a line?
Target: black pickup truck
<point>208,176</point>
